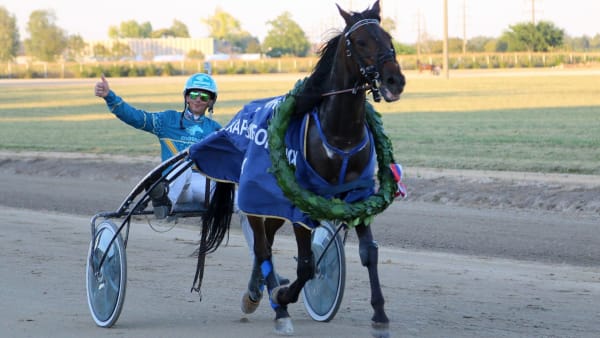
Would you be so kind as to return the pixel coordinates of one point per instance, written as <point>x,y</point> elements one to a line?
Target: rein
<point>353,90</point>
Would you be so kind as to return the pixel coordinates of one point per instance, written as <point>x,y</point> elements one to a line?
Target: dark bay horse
<point>337,146</point>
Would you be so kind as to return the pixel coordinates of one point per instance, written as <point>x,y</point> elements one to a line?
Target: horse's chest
<point>337,163</point>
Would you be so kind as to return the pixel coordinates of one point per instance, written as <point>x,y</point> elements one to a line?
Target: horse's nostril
<point>393,80</point>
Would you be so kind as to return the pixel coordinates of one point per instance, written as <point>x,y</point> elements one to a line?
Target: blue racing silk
<point>239,153</point>
<point>166,125</point>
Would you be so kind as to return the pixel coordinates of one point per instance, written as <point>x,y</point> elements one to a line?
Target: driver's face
<point>198,101</point>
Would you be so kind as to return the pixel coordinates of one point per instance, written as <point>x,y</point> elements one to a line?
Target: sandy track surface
<point>470,254</point>
<point>427,294</point>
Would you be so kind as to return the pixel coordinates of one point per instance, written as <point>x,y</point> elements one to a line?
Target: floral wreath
<point>316,206</point>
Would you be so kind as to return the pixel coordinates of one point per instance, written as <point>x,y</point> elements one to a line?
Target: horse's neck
<point>343,119</point>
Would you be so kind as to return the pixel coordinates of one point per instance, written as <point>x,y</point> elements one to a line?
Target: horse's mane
<point>311,94</point>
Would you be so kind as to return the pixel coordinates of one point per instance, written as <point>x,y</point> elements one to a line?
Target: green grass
<point>538,122</point>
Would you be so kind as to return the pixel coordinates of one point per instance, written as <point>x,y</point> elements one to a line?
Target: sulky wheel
<point>323,293</point>
<point>106,283</point>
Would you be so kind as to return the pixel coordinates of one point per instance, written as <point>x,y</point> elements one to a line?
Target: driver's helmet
<point>201,81</point>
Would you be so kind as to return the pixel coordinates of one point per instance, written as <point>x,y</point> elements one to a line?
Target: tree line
<point>48,42</point>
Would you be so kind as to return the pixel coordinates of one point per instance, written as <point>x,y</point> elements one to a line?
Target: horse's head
<point>372,53</point>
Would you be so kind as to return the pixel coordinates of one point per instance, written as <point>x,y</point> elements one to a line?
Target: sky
<point>92,19</point>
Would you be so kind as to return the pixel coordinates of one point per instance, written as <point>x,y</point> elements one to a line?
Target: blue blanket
<point>239,153</point>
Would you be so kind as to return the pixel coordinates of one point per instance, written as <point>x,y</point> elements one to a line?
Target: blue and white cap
<point>201,81</point>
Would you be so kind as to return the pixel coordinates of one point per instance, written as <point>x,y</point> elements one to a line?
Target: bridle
<point>368,72</point>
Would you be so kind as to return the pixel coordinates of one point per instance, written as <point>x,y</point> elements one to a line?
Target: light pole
<point>445,62</point>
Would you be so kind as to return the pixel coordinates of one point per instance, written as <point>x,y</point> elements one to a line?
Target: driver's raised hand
<point>102,89</point>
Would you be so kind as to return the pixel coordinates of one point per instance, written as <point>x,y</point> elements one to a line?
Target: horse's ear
<point>347,16</point>
<point>376,10</point>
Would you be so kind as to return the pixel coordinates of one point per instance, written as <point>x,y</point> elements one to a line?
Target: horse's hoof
<point>275,293</point>
<point>284,327</point>
<point>380,330</point>
<point>248,305</point>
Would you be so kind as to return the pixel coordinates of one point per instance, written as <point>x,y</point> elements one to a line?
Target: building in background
<point>163,49</point>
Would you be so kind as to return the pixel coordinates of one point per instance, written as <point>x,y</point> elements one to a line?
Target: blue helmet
<point>201,81</point>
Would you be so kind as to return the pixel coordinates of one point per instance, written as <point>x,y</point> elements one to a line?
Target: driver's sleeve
<point>134,117</point>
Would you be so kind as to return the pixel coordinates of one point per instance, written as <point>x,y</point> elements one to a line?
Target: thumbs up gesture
<point>102,88</point>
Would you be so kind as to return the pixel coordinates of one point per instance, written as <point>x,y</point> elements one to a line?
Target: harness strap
<point>342,153</point>
<point>370,73</point>
<point>359,24</point>
<point>345,187</point>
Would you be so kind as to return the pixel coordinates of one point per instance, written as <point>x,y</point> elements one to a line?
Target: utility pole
<point>445,64</point>
<point>464,49</point>
<point>419,35</point>
<point>533,12</point>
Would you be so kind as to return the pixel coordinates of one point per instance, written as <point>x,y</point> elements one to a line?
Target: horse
<point>334,146</point>
<point>433,68</point>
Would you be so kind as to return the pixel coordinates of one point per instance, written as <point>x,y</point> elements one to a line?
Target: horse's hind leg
<point>251,299</point>
<point>368,251</point>
<point>263,272</point>
<point>253,295</point>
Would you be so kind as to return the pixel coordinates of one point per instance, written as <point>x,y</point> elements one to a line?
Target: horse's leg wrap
<point>268,273</point>
<point>368,252</point>
<point>256,284</point>
<point>251,298</point>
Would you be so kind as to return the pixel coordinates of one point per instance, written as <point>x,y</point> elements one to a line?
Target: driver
<point>176,131</point>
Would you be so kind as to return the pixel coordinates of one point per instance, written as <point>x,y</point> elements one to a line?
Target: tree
<point>130,29</point>
<point>496,45</point>
<point>100,51</point>
<point>253,46</point>
<point>454,46</point>
<point>75,48</point>
<point>245,43</point>
<point>120,51</point>
<point>222,26</point>
<point>403,49</point>
<point>580,44</point>
<point>595,42</point>
<point>478,43</point>
<point>285,37</point>
<point>388,24</point>
<point>195,55</point>
<point>177,30</point>
<point>9,35</point>
<point>540,37</point>
<point>228,31</point>
<point>47,40</point>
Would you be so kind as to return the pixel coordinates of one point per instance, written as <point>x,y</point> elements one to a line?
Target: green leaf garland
<point>318,207</point>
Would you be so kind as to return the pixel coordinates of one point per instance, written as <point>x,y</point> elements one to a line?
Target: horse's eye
<point>361,43</point>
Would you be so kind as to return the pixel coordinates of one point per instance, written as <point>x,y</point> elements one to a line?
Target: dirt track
<point>468,255</point>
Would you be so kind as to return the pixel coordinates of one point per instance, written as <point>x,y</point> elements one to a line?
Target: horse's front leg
<point>368,251</point>
<point>305,269</point>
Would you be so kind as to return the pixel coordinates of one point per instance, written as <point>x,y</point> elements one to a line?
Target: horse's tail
<point>215,224</point>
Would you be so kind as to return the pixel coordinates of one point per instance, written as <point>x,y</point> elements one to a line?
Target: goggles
<point>204,97</point>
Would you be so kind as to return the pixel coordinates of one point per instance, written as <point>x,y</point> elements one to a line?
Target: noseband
<point>369,72</point>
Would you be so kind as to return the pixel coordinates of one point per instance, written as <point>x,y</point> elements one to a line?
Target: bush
<point>280,65</point>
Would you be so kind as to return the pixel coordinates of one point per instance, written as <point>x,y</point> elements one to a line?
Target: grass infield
<point>537,121</point>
